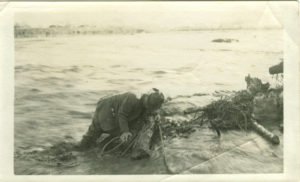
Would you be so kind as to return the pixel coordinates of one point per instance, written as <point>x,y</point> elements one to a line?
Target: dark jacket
<point>119,111</point>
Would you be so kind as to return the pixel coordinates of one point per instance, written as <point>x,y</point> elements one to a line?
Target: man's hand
<point>157,117</point>
<point>125,136</point>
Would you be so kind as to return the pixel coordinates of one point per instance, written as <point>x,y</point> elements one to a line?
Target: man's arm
<point>124,111</point>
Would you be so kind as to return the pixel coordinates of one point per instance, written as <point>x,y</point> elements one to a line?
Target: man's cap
<point>155,98</point>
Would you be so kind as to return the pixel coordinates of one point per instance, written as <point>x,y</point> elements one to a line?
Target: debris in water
<point>239,110</point>
<point>225,40</point>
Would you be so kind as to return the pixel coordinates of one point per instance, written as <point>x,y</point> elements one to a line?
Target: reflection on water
<point>59,80</point>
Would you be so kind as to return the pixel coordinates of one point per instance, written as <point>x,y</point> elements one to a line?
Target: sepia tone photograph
<point>148,88</point>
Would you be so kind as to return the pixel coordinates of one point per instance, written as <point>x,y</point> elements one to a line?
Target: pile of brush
<point>239,110</point>
<point>230,111</point>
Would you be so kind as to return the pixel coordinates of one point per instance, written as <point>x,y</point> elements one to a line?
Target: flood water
<point>58,81</point>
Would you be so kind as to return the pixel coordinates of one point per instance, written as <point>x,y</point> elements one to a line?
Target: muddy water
<point>58,81</point>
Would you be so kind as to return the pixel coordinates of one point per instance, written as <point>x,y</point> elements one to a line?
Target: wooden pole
<point>274,139</point>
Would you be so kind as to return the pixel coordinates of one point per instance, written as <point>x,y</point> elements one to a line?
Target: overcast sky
<point>150,15</point>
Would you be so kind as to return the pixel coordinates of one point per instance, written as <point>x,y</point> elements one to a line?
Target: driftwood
<point>253,124</point>
<point>274,139</point>
<point>240,110</point>
<point>193,110</point>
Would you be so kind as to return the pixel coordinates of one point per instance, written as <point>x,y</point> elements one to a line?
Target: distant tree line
<point>55,30</point>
